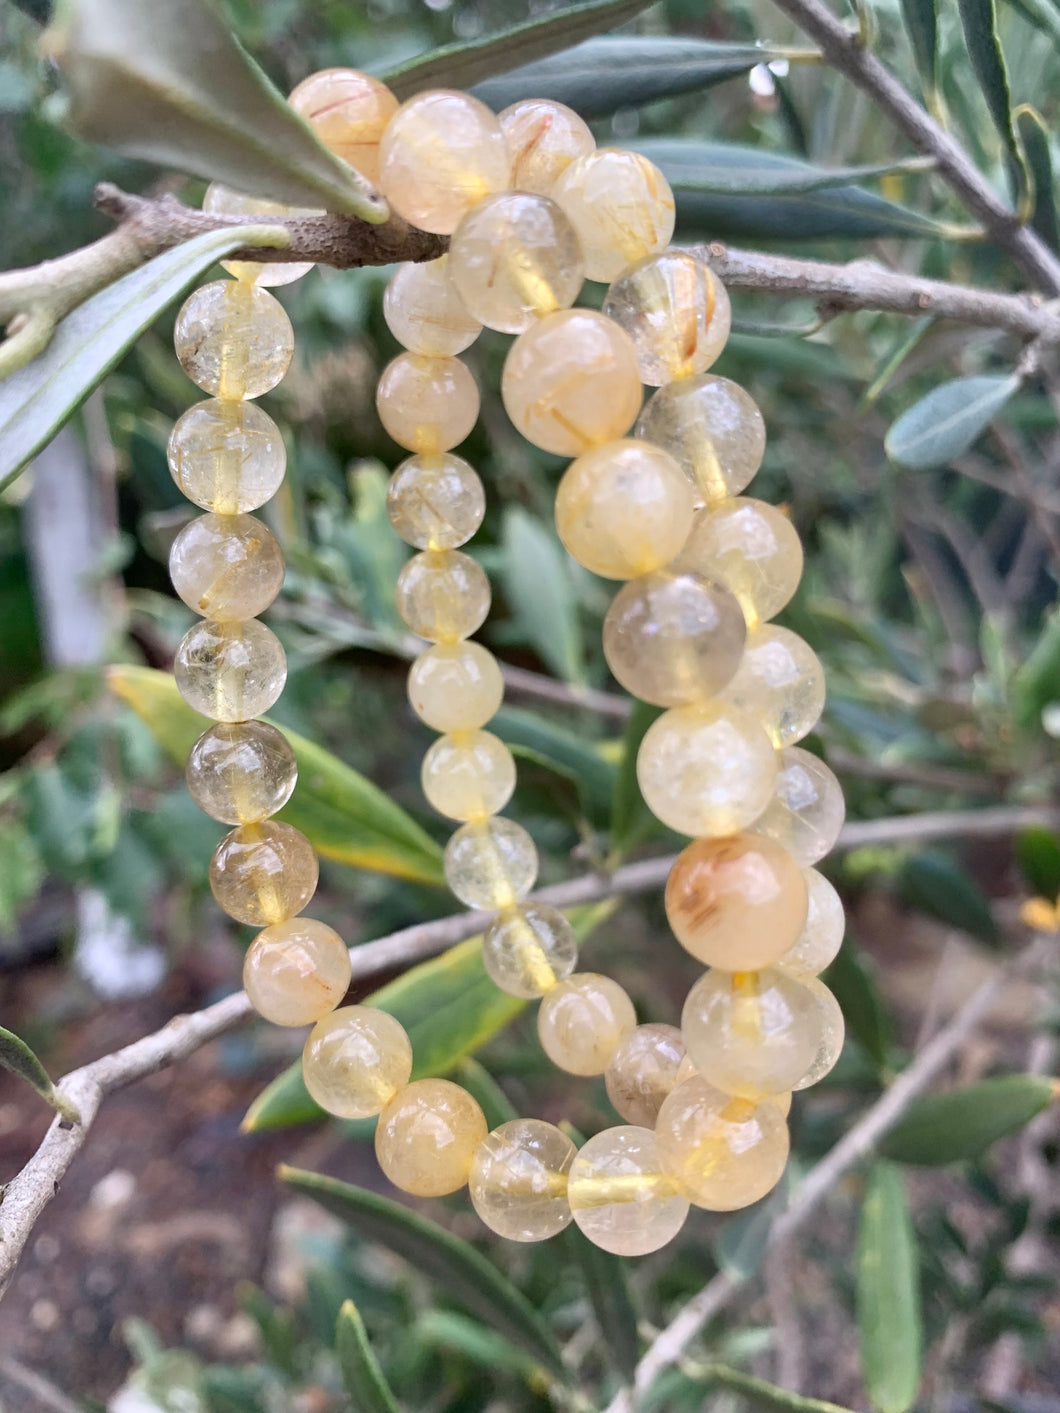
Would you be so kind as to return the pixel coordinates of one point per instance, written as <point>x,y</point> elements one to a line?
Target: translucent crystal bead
<point>435,502</point>
<point>673,639</point>
<point>581,1020</point>
<point>455,686</point>
<point>807,810</point>
<point>619,1195</point>
<point>780,682</point>
<point>712,427</point>
<point>831,1034</point>
<point>687,1070</point>
<point>240,772</point>
<point>706,770</point>
<point>233,339</point>
<point>676,312</point>
<point>441,154</point>
<point>230,671</point>
<point>226,567</point>
<point>296,972</point>
<point>227,457</point>
<point>723,1153</point>
<point>427,405</point>
<point>822,937</point>
<point>492,864</point>
<point>223,201</point>
<point>348,111</point>
<point>356,1061</point>
<point>621,207</point>
<point>571,382</point>
<point>528,949</point>
<point>263,873</point>
<point>737,903</point>
<point>424,312</point>
<point>442,595</point>
<point>753,548</point>
<point>624,509</point>
<point>543,138</point>
<point>468,775</point>
<point>518,1180</point>
<point>642,1071</point>
<point>427,1137</point>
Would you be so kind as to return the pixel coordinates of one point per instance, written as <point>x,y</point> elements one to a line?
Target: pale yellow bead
<point>673,639</point>
<point>223,201</point>
<point>752,548</point>
<point>296,972</point>
<point>227,457</point>
<point>642,1071</point>
<point>233,339</point>
<point>571,382</point>
<point>676,312</point>
<point>263,873</point>
<point>518,1180</point>
<point>780,682</point>
<point>543,138</point>
<point>807,810</point>
<point>723,1153</point>
<point>240,772</point>
<point>427,405</point>
<point>821,938</point>
<point>441,154</point>
<point>624,509</point>
<point>712,427</point>
<point>528,949</point>
<point>581,1021</point>
<point>230,671</point>
<point>455,686</point>
<point>442,595</point>
<point>620,1196</point>
<point>491,864</point>
<point>468,775</point>
<point>226,567</point>
<point>621,207</point>
<point>435,502</point>
<point>706,770</point>
<point>424,312</point>
<point>687,1070</point>
<point>348,111</point>
<point>831,1035</point>
<point>356,1061</point>
<point>427,1137</point>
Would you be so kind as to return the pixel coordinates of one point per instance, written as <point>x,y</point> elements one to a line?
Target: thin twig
<point>37,1386</point>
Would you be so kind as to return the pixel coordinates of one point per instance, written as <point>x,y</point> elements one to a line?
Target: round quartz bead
<point>424,312</point>
<point>527,950</point>
<point>619,1195</point>
<point>427,1137</point>
<point>752,548</point>
<point>518,1180</point>
<point>435,502</point>
<point>621,207</point>
<point>223,201</point>
<point>513,258</point>
<point>230,671</point>
<point>642,1071</point>
<point>543,139</point>
<point>455,686</point>
<point>263,873</point>
<point>754,1033</point>
<point>491,864</point>
<point>831,1035</point>
<point>807,810</point>
<point>348,111</point>
<point>427,404</point>
<point>469,775</point>
<point>723,1153</point>
<point>737,903</point>
<point>226,567</point>
<point>441,154</point>
<point>822,937</point>
<point>443,595</point>
<point>687,1070</point>
<point>227,457</point>
<point>706,770</point>
<point>712,427</point>
<point>780,682</point>
<point>624,509</point>
<point>296,972</point>
<point>571,382</point>
<point>581,1021</point>
<point>240,772</point>
<point>355,1061</point>
<point>673,639</point>
<point>233,339</point>
<point>675,311</point>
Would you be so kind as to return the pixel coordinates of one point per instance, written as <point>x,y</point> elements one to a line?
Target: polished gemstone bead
<point>468,775</point>
<point>621,207</point>
<point>443,595</point>
<point>712,427</point>
<point>706,770</point>
<point>737,903</point>
<point>581,1020</point>
<point>296,972</point>
<point>723,1153</point>
<point>543,138</point>
<point>822,937</point>
<point>230,671</point>
<point>427,1137</point>
<point>356,1061</point>
<point>240,772</point>
<point>233,339</point>
<point>435,502</point>
<point>624,509</point>
<point>642,1071</point>
<point>227,457</point>
<point>223,201</point>
<point>424,312</point>
<point>673,639</point>
<point>492,864</point>
<point>263,873</point>
<point>675,311</point>
<point>687,1070</point>
<point>518,1180</point>
<point>620,1197</point>
<point>455,686</point>
<point>528,949</point>
<point>780,682</point>
<point>831,1035</point>
<point>348,111</point>
<point>571,382</point>
<point>226,567</point>
<point>427,404</point>
<point>807,810</point>
<point>751,547</point>
<point>441,154</point>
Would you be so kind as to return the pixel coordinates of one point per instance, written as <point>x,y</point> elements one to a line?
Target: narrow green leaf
<point>630,817</point>
<point>481,1085</point>
<point>562,750</point>
<point>730,169</point>
<point>945,423</point>
<point>888,1286</point>
<point>1036,682</point>
<point>921,23</point>
<point>606,1280</point>
<point>861,1003</point>
<point>540,594</point>
<point>936,884</point>
<point>361,1372</point>
<point>963,1123</point>
<point>1038,855</point>
<point>445,1329</point>
<point>1033,133</point>
<point>768,1398</point>
<point>979,19</point>
<point>16,1056</point>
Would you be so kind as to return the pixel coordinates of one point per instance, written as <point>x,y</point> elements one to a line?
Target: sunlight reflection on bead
<point>723,1153</point>
<point>442,595</point>
<point>227,457</point>
<point>492,864</point>
<point>263,873</point>
<point>807,809</point>
<point>544,138</point>
<point>752,548</point>
<point>230,671</point>
<point>528,949</point>
<point>427,404</point>
<point>467,776</point>
<point>435,502</point>
<point>518,1180</point>
<point>455,686</point>
<point>355,1061</point>
<point>296,972</point>
<point>427,1137</point>
<point>348,111</point>
<point>233,340</point>
<point>226,567</point>
<point>620,1197</point>
<point>821,938</point>
<point>424,312</point>
<point>621,207</point>
<point>581,1020</point>
<point>223,201</point>
<point>712,427</point>
<point>780,682</point>
<point>676,312</point>
<point>239,772</point>
<point>642,1071</point>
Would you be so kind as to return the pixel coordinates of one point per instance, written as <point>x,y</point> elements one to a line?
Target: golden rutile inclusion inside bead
<point>581,1021</point>
<point>518,1180</point>
<point>296,972</point>
<point>227,457</point>
<point>226,567</point>
<point>356,1060</point>
<point>239,772</point>
<point>233,339</point>
<point>263,873</point>
<point>620,1196</point>
<point>528,949</point>
<point>723,1153</point>
<point>427,1137</point>
<point>643,1070</point>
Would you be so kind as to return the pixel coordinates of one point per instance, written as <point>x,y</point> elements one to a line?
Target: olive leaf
<point>888,1288</point>
<point>1033,133</point>
<point>979,19</point>
<point>963,1123</point>
<point>945,423</point>
<point>16,1056</point>
<point>921,22</point>
<point>364,1379</point>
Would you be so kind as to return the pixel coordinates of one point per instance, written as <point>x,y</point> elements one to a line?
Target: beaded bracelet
<point>533,209</point>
